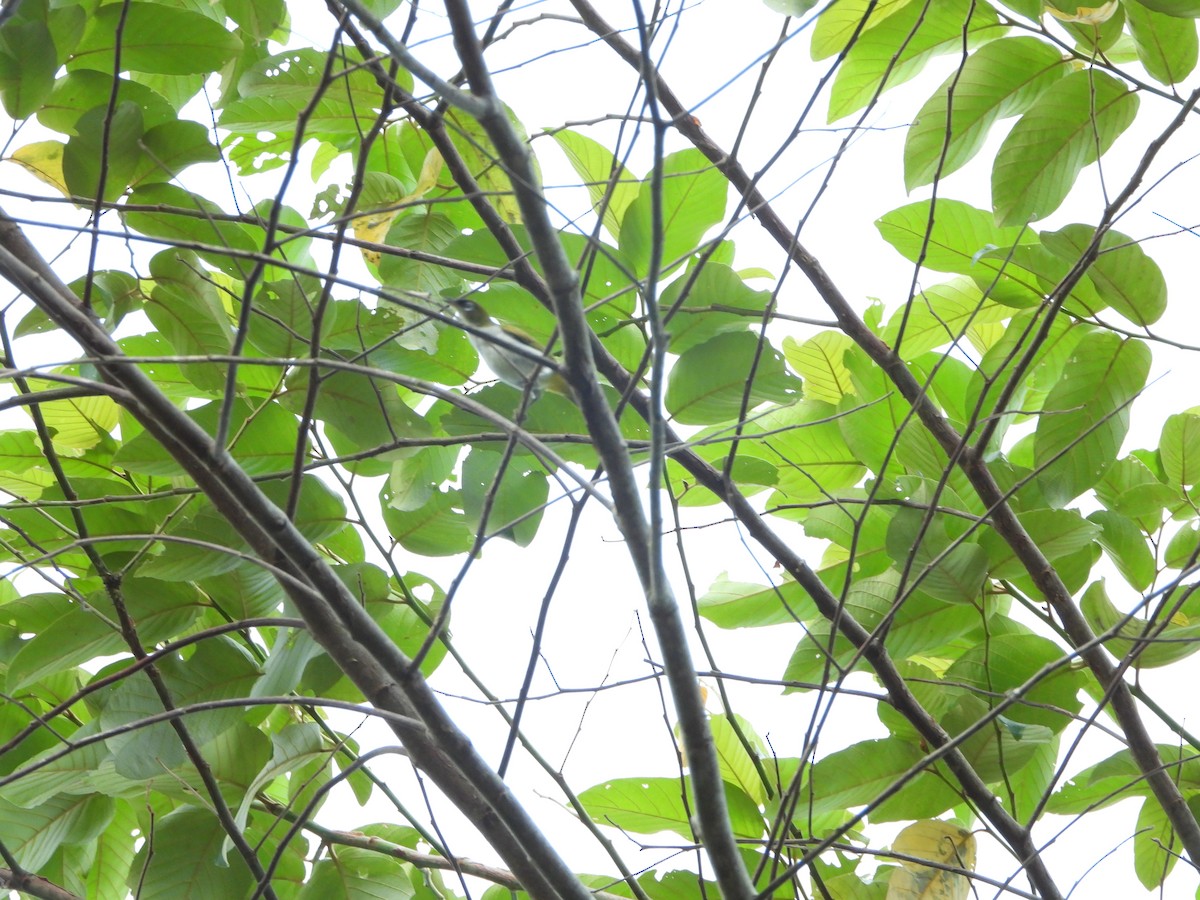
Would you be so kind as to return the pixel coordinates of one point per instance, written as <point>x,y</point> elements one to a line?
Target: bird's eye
<point>468,305</point>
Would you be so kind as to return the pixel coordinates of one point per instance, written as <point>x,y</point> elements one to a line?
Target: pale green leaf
<point>1166,45</point>
<point>1074,120</point>
<point>999,79</point>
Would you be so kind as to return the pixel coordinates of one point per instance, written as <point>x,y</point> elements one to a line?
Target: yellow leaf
<point>430,170</point>
<point>941,843</point>
<point>1180,618</point>
<point>373,228</point>
<point>1086,15</point>
<point>43,160</point>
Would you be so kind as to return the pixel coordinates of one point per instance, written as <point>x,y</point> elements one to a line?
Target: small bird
<point>498,345</point>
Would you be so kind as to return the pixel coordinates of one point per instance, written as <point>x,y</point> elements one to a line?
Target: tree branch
<point>333,614</point>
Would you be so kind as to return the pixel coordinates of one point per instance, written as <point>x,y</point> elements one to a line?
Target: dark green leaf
<point>86,159</point>
<point>28,61</point>
<point>1126,546</point>
<point>178,215</point>
<point>439,528</point>
<point>1086,415</point>
<point>154,38</point>
<point>1007,662</point>
<point>82,90</point>
<point>170,148</point>
<point>709,383</point>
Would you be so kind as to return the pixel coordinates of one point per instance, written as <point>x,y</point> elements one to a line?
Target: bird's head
<point>471,312</point>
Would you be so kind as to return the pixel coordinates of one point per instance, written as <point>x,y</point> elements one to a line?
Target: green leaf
<point>640,805</point>
<point>1125,278</point>
<point>703,304</point>
<point>1155,845</point>
<point>995,371</point>
<point>261,438</point>
<point>33,835</point>
<point>1119,778</point>
<point>216,670</point>
<point>709,383</point>
<point>115,849</point>
<point>77,423</point>
<point>1126,546</point>
<point>86,159</point>
<point>439,528</point>
<point>734,604</point>
<point>693,201</point>
<point>358,874</point>
<point>1056,532</point>
<point>1154,644</point>
<point>1179,449</point>
<point>897,48</point>
<point>999,750</point>
<point>947,570</point>
<point>857,775</point>
<point>819,362</point>
<point>1073,121</point>
<point>804,443</point>
<point>940,315</point>
<point>652,805</point>
<point>958,239</point>
<point>28,62</point>
<point>1005,662</point>
<point>1184,9</point>
<point>170,148</point>
<point>258,18</point>
<point>160,609</point>
<point>426,232</point>
<point>1183,548</point>
<point>154,38</point>
<point>199,221</point>
<point>1086,415</point>
<point>517,498</point>
<point>998,80</point>
<point>1166,46</point>
<point>475,146</point>
<point>840,22</point>
<point>791,7</point>
<point>921,624</point>
<point>608,183</point>
<point>83,90</point>
<point>736,763</point>
<point>366,412</point>
<point>187,843</point>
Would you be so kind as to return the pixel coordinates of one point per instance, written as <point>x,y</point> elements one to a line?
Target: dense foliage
<point>242,433</point>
